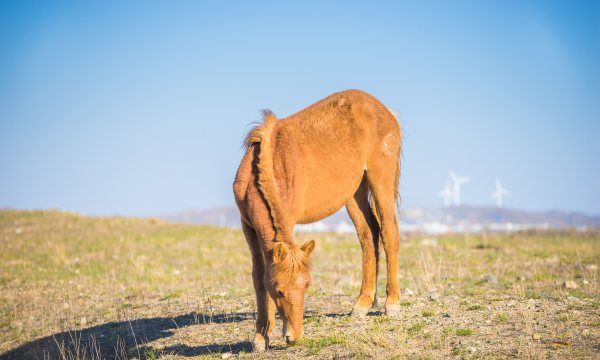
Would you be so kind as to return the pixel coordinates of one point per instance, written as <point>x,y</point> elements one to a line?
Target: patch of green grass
<point>172,295</point>
<point>313,319</point>
<point>314,345</point>
<point>416,327</point>
<point>447,330</point>
<point>464,332</point>
<point>457,351</point>
<point>405,303</point>
<point>502,318</point>
<point>151,354</point>
<point>476,307</point>
<point>428,312</point>
<point>382,320</point>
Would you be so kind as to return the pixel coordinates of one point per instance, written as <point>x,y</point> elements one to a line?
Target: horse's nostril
<point>289,340</point>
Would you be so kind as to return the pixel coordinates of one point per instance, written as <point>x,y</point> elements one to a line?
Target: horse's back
<point>333,140</point>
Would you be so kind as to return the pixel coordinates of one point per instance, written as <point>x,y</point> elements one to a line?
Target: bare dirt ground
<point>74,287</point>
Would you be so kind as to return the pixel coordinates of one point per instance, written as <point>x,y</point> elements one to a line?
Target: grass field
<point>78,287</point>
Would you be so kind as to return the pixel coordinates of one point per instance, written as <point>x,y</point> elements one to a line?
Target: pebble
<point>536,336</point>
<point>585,282</point>
<point>226,355</point>
<point>489,278</point>
<point>570,284</point>
<point>585,332</point>
<point>473,349</point>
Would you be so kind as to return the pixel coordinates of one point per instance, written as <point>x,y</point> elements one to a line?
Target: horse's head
<point>288,279</point>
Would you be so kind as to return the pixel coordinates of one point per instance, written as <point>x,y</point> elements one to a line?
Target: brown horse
<point>339,151</point>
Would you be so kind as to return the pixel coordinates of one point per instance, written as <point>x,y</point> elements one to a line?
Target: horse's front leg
<point>265,306</point>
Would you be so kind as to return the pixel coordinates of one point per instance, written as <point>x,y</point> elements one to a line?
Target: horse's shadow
<point>126,339</point>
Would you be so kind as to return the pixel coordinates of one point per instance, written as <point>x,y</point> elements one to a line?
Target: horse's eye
<point>279,293</point>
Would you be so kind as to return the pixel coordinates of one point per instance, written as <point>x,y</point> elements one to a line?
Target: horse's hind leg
<point>265,306</point>
<point>381,174</point>
<point>367,229</point>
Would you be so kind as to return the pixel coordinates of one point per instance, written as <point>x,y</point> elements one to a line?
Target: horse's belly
<point>326,194</point>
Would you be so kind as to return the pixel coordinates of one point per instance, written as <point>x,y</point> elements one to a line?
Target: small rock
<point>536,336</point>
<point>592,267</point>
<point>585,282</point>
<point>585,332</point>
<point>473,349</point>
<point>408,292</point>
<point>434,296</point>
<point>488,321</point>
<point>18,231</point>
<point>489,278</point>
<point>83,321</point>
<point>226,355</point>
<point>570,284</point>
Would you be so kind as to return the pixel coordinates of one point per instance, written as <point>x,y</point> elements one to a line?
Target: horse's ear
<point>279,251</point>
<point>308,247</point>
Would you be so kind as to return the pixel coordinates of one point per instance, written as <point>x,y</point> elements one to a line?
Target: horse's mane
<point>293,262</point>
<point>266,177</point>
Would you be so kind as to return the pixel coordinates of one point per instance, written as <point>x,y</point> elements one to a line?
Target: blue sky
<point>140,108</point>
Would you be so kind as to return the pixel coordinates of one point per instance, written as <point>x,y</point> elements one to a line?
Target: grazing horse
<point>341,151</point>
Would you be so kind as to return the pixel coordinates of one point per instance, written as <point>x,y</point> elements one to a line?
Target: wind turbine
<point>457,182</point>
<point>446,193</point>
<point>499,193</point>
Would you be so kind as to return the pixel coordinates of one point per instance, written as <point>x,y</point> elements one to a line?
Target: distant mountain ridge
<point>485,215</point>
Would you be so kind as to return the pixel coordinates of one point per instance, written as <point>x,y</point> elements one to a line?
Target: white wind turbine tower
<point>447,194</point>
<point>457,182</point>
<point>499,193</point>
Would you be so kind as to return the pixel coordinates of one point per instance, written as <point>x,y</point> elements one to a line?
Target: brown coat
<point>304,168</point>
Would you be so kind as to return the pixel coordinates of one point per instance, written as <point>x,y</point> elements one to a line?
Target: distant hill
<point>484,215</point>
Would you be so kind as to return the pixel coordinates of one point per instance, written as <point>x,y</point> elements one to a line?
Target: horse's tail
<point>397,170</point>
<point>266,176</point>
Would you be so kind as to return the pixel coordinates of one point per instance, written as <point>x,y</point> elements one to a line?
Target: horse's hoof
<point>359,312</point>
<point>392,310</point>
<point>259,344</point>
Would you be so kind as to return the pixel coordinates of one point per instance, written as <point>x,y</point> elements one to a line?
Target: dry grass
<point>74,287</point>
